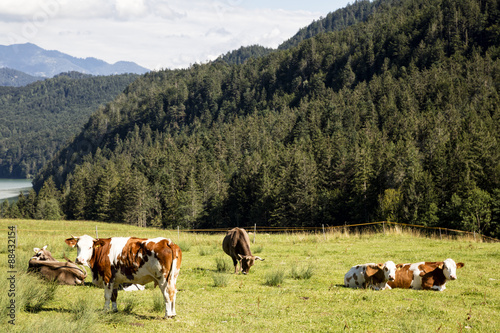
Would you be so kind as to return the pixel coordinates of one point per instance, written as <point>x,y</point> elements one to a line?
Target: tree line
<point>393,118</point>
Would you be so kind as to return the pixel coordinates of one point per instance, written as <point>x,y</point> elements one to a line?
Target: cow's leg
<point>108,291</point>
<point>114,296</point>
<point>110,295</point>
<point>164,287</point>
<point>235,263</point>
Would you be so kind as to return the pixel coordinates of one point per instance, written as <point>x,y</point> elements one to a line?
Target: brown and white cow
<point>373,276</point>
<point>66,273</point>
<point>118,260</point>
<point>236,244</point>
<point>426,275</point>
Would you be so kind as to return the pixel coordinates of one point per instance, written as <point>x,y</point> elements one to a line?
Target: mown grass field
<point>297,288</point>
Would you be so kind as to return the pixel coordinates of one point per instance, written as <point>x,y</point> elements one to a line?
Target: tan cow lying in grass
<point>63,272</point>
<point>373,276</point>
<point>426,275</point>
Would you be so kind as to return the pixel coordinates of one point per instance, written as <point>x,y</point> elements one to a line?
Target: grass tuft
<point>302,273</point>
<point>220,280</point>
<point>222,265</point>
<point>275,278</point>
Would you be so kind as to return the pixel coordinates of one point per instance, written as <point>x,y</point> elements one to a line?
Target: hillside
<point>395,117</point>
<point>12,78</point>
<point>38,119</point>
<point>33,60</point>
<point>353,13</point>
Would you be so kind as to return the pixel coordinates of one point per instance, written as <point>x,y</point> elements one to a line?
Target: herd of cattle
<point>122,261</point>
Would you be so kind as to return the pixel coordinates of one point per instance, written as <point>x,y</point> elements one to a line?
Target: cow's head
<point>388,269</point>
<point>247,262</point>
<point>42,254</point>
<point>84,246</point>
<point>450,268</point>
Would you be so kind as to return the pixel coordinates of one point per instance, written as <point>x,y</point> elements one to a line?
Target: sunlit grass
<point>309,295</point>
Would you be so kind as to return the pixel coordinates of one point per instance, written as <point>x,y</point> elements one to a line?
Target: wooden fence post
<point>254,231</point>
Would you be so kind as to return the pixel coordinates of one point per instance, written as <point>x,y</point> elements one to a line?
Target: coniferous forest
<point>395,116</point>
<point>38,119</point>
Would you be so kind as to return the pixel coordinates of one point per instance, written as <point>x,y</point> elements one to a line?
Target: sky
<point>156,34</point>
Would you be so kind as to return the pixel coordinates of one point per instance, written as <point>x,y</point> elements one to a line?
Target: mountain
<point>395,117</point>
<point>354,13</point>
<point>35,61</point>
<point>13,78</point>
<point>38,119</point>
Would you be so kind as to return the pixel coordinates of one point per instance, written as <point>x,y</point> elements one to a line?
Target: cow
<point>236,244</point>
<point>65,273</point>
<point>42,254</point>
<point>118,260</point>
<point>426,275</point>
<point>374,276</point>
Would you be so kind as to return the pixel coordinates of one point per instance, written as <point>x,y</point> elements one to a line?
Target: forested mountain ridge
<point>38,119</point>
<point>12,78</point>
<point>340,19</point>
<point>395,117</point>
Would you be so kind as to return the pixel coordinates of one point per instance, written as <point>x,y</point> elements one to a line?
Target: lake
<point>10,188</point>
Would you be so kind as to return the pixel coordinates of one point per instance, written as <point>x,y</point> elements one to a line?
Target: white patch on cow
<point>417,279</point>
<point>450,269</point>
<point>116,248</point>
<point>85,248</point>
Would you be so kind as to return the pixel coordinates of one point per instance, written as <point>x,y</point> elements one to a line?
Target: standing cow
<point>66,273</point>
<point>236,244</point>
<point>118,260</point>
<point>374,276</point>
<point>426,275</point>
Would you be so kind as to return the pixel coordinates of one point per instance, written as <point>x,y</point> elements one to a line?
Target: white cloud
<point>152,33</point>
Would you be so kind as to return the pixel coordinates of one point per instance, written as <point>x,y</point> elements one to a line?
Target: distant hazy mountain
<point>35,61</point>
<point>13,78</point>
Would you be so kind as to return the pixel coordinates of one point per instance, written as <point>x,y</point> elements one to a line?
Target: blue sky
<point>156,33</point>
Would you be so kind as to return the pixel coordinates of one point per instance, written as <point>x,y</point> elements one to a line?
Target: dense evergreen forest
<point>38,119</point>
<point>395,117</point>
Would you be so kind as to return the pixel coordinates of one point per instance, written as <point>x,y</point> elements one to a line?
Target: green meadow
<point>297,288</point>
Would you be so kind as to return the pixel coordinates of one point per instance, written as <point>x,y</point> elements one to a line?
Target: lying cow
<point>236,244</point>
<point>426,275</point>
<point>374,276</point>
<point>118,260</point>
<point>66,273</point>
<point>42,254</point>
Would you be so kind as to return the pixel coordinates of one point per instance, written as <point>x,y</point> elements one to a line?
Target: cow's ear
<point>426,268</point>
<point>399,266</point>
<point>36,249</point>
<point>71,241</point>
<point>372,270</point>
<point>460,264</point>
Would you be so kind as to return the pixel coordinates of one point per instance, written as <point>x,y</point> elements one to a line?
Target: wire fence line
<point>442,231</point>
<point>380,226</point>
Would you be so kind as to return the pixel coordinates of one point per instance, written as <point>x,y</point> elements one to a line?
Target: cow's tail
<point>176,257</point>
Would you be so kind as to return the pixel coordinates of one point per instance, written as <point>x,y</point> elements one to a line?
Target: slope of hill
<point>35,61</point>
<point>393,118</point>
<point>11,78</point>
<point>353,13</point>
<point>38,119</point>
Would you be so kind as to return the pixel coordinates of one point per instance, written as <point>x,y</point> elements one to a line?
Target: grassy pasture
<point>297,288</point>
